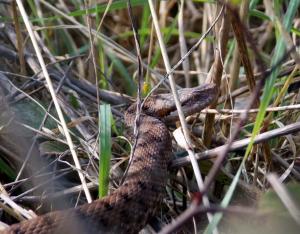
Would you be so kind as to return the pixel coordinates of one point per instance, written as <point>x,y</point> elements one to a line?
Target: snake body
<point>128,208</point>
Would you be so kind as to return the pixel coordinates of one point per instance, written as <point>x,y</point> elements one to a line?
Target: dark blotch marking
<point>146,135</point>
<point>124,214</point>
<point>107,206</point>
<point>142,185</point>
<point>154,188</point>
<point>125,217</point>
<point>137,159</point>
<point>141,202</point>
<point>142,144</point>
<point>143,207</point>
<point>125,197</point>
<point>153,139</point>
<point>140,219</point>
<point>48,220</point>
<point>156,138</point>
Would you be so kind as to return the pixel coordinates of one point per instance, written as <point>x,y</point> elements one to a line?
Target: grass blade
<point>105,148</point>
<point>269,86</point>
<point>266,98</point>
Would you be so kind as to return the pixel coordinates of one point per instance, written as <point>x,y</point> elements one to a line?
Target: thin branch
<point>236,145</point>
<point>55,101</point>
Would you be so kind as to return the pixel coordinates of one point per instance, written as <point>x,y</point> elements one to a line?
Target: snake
<point>129,208</point>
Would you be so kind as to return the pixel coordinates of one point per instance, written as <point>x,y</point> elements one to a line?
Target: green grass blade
<point>105,148</point>
<point>144,25</point>
<point>259,14</point>
<point>167,37</point>
<point>123,71</point>
<point>143,32</point>
<point>296,31</point>
<point>253,4</point>
<point>269,86</point>
<point>99,9</point>
<point>266,98</point>
<point>5,168</point>
<point>225,202</point>
<point>116,5</point>
<point>102,64</point>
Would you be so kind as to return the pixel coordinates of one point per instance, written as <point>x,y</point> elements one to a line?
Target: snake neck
<point>128,208</point>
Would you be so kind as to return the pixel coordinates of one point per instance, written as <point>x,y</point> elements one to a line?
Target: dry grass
<point>249,51</point>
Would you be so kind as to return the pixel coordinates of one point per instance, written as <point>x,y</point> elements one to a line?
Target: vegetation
<point>59,126</point>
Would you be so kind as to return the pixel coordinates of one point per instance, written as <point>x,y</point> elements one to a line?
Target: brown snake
<point>128,208</point>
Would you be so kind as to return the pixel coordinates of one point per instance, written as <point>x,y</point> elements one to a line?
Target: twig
<point>221,156</point>
<point>285,197</point>
<point>222,153</point>
<point>175,225</point>
<point>140,81</point>
<point>182,44</point>
<point>55,101</point>
<point>19,38</point>
<point>191,50</point>
<point>178,105</point>
<point>213,153</point>
<point>240,111</point>
<point>28,154</point>
<point>215,75</point>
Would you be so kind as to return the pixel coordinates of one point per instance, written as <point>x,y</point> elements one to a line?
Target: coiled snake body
<point>128,208</point>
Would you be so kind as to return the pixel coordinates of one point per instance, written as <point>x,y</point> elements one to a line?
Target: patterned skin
<point>128,208</point>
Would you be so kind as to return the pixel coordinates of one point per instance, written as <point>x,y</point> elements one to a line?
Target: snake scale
<point>128,208</point>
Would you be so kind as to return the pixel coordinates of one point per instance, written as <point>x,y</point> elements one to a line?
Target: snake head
<point>162,106</point>
<point>192,100</point>
<point>195,99</point>
<point>200,96</point>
